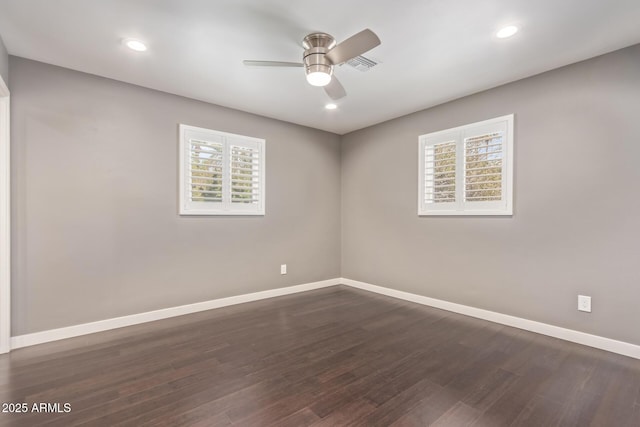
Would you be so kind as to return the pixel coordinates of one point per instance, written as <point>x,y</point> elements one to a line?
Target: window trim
<point>461,208</point>
<point>185,206</point>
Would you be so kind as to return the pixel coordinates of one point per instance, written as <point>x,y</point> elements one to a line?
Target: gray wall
<point>576,223</point>
<point>95,224</point>
<point>97,235</point>
<point>4,63</point>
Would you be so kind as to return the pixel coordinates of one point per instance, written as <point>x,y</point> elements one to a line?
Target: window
<point>467,170</point>
<point>220,173</point>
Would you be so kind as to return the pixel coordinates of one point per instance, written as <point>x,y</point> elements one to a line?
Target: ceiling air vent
<point>361,63</point>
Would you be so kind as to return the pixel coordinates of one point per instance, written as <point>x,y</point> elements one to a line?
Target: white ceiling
<point>432,51</point>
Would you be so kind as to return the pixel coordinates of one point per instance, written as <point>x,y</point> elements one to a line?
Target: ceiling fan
<point>321,54</point>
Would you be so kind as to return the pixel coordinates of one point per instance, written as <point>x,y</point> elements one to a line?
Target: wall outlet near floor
<point>584,303</point>
<point>283,269</point>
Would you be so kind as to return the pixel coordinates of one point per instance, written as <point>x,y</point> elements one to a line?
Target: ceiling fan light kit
<point>316,65</point>
<point>321,53</point>
<point>319,78</point>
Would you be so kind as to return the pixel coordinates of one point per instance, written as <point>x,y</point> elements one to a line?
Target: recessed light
<point>331,106</point>
<point>507,32</point>
<point>136,45</point>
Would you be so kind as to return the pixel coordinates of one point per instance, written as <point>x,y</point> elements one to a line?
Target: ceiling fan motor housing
<point>314,57</point>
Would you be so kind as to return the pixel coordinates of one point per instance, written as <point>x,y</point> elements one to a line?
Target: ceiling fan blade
<point>334,89</point>
<point>355,45</point>
<point>271,64</point>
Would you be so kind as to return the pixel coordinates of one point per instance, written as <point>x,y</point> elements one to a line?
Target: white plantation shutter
<point>205,171</point>
<point>221,173</point>
<point>246,174</point>
<point>467,170</point>
<point>483,173</point>
<point>440,173</point>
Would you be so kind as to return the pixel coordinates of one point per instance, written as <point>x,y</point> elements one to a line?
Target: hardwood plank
<point>394,408</point>
<point>429,409</point>
<point>515,398</point>
<point>486,392</point>
<point>580,410</point>
<point>191,419</point>
<point>346,414</point>
<point>543,351</point>
<point>185,415</point>
<point>304,417</point>
<point>617,405</point>
<point>540,411</point>
<point>460,415</point>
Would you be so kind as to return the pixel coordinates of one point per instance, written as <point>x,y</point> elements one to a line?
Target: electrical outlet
<point>584,303</point>
<point>283,269</point>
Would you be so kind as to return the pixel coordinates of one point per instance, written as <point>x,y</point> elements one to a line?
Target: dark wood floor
<point>336,356</point>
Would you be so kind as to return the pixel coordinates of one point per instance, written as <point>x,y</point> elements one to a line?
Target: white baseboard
<point>602,343</point>
<point>134,319</point>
